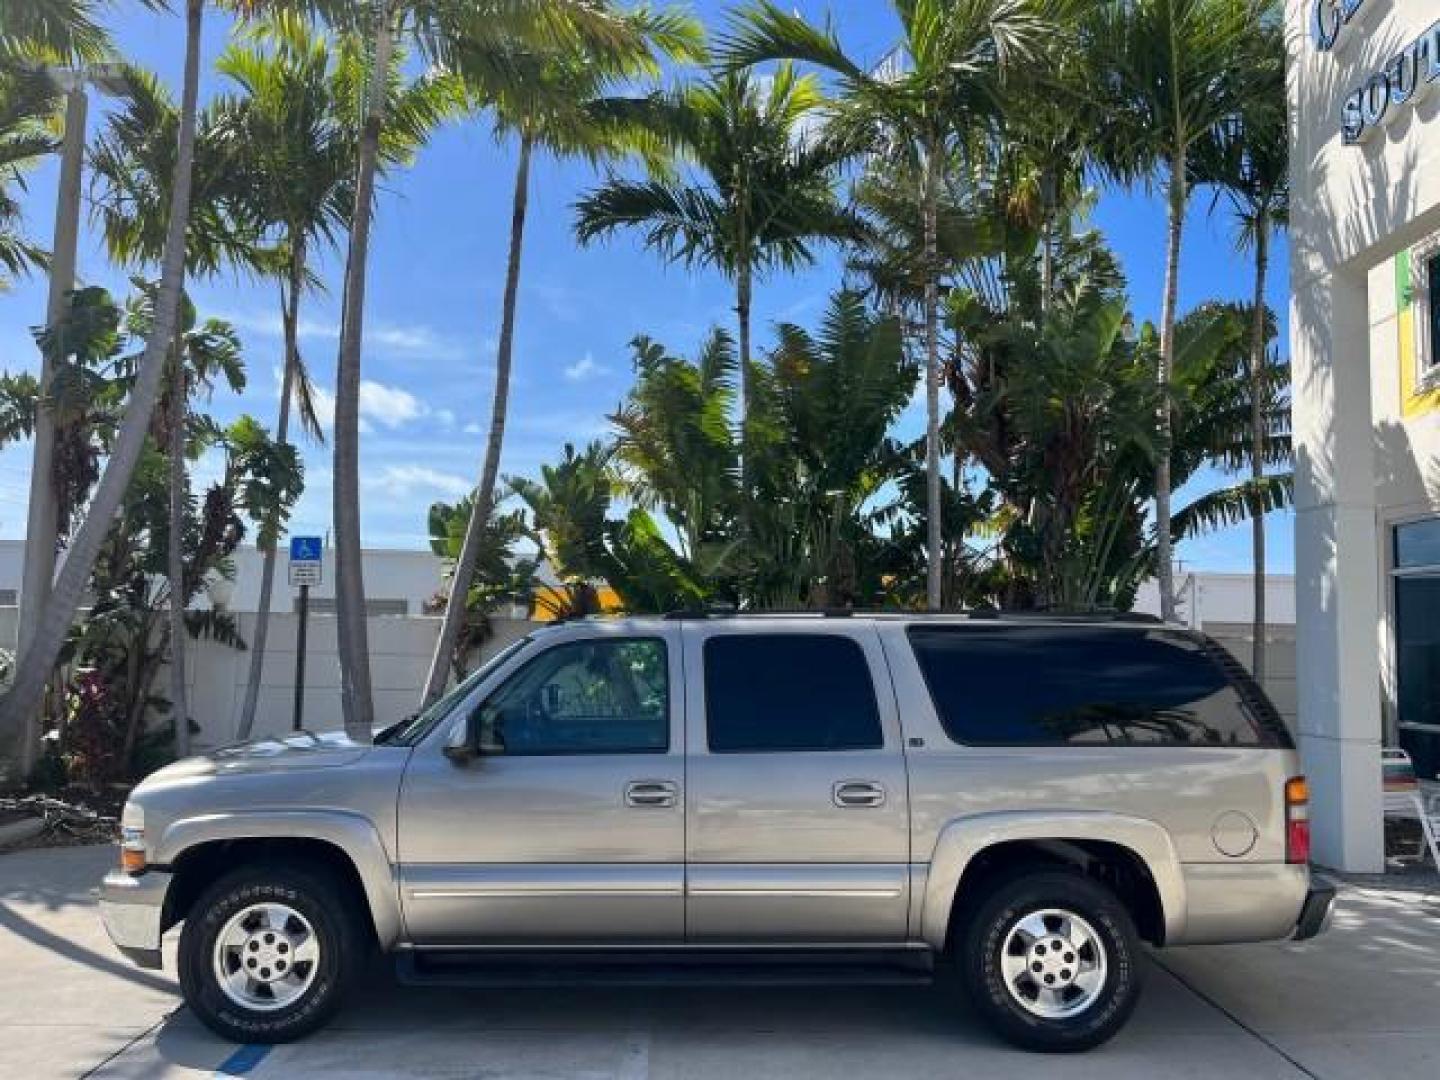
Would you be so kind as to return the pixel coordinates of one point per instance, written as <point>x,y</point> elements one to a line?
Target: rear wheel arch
<point>1120,869</point>
<point>1132,857</point>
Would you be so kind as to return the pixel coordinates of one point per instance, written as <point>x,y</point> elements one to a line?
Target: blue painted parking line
<point>242,1060</point>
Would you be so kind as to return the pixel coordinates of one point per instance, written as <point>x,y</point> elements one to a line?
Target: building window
<point>1425,261</point>
<point>1417,642</point>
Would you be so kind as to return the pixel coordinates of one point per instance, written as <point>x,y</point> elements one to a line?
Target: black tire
<point>322,901</point>
<point>982,939</point>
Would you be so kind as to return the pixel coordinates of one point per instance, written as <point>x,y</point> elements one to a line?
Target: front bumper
<point>132,908</point>
<point>1316,912</point>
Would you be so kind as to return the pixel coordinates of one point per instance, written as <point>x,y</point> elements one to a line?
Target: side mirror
<point>461,747</point>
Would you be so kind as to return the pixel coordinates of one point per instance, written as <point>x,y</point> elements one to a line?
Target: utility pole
<point>42,535</point>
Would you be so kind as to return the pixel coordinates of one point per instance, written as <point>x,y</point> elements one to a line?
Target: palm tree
<point>760,196</point>
<point>296,126</point>
<point>1166,68</point>
<point>198,355</point>
<point>450,34</point>
<point>62,28</point>
<point>132,167</point>
<point>18,708</point>
<point>942,79</point>
<point>1247,160</point>
<point>33,32</point>
<point>28,101</point>
<point>555,102</point>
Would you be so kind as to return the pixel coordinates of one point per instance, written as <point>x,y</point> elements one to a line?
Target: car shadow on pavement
<point>24,928</point>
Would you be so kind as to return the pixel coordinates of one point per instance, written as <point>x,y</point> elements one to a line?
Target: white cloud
<point>585,369</point>
<point>401,481</point>
<point>445,417</point>
<point>387,406</point>
<point>473,428</point>
<point>417,339</point>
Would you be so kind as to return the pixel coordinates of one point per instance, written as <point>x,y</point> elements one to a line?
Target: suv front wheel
<point>267,952</point>
<point>1050,960</point>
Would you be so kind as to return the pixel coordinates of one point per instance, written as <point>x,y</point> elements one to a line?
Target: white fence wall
<point>1279,661</point>
<point>400,649</point>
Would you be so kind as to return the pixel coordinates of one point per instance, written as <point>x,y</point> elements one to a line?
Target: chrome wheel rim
<point>266,957</point>
<point>1053,963</point>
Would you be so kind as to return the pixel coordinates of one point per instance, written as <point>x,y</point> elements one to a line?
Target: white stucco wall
<point>1360,460</point>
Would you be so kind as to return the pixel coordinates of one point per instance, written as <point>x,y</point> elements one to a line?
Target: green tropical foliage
<point>106,692</point>
<point>503,574</point>
<point>28,101</point>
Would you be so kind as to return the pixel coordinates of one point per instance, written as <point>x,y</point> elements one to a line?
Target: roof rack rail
<point>729,612</point>
<point>1068,614</point>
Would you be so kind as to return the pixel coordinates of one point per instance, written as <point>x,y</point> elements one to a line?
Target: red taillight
<point>1297,820</point>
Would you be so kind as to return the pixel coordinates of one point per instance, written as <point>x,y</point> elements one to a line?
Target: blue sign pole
<point>298,720</point>
<point>306,556</point>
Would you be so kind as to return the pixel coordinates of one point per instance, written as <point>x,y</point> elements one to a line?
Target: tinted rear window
<point>1048,685</point>
<point>769,693</point>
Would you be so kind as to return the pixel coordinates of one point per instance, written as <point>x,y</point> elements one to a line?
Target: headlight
<point>132,838</point>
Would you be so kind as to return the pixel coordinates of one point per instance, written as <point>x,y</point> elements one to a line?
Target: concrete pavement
<point>1361,1001</point>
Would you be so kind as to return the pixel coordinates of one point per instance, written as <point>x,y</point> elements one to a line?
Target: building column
<point>1337,571</point>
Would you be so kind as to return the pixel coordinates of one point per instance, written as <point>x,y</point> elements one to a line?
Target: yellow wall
<point>1412,402</point>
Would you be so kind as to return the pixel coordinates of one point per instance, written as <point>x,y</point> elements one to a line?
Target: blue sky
<point>434,297</point>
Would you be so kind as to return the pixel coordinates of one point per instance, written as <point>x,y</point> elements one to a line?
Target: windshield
<point>414,727</point>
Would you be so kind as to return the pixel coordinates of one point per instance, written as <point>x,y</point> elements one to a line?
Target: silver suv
<point>806,798</point>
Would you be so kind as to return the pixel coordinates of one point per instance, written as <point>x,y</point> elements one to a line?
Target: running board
<point>677,967</point>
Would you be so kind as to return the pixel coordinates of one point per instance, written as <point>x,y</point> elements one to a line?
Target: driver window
<point>586,697</point>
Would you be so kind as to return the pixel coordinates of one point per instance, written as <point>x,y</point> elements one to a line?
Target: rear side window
<point>775,693</point>
<point>1048,685</point>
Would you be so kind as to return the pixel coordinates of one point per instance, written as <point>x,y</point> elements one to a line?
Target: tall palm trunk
<point>1048,186</point>
<point>455,605</point>
<point>1257,436</point>
<point>744,288</point>
<point>19,708</point>
<point>1165,570</point>
<point>291,320</point>
<point>175,554</point>
<point>933,531</point>
<point>355,699</point>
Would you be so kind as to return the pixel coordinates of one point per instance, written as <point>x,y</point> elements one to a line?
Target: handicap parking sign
<point>305,560</point>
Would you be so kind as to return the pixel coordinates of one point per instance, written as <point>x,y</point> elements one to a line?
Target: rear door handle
<point>861,793</point>
<point>658,793</point>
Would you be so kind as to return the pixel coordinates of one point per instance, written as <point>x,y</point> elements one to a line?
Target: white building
<point>1365,330</point>
<point>396,582</point>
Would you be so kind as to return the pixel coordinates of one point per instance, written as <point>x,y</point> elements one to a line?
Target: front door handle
<point>659,793</point>
<point>853,793</point>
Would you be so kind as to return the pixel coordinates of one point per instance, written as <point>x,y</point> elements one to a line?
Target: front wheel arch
<point>198,867</point>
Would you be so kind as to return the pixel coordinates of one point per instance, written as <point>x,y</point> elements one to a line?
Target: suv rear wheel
<point>1050,960</point>
<point>268,951</point>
